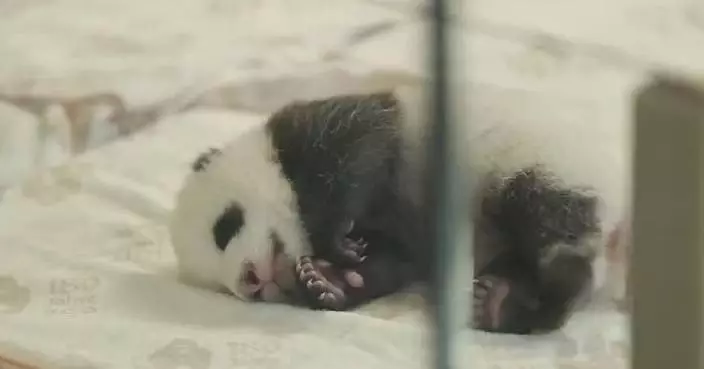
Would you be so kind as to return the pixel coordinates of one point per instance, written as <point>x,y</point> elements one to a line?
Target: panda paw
<point>488,301</point>
<point>352,251</point>
<point>323,285</point>
<point>501,306</point>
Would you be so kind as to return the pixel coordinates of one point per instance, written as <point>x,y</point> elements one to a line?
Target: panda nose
<point>255,276</point>
<point>251,278</point>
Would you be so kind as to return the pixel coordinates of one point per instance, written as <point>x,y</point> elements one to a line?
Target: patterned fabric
<point>87,280</point>
<point>84,277</point>
<point>77,74</point>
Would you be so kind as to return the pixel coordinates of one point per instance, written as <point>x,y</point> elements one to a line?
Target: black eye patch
<point>228,225</point>
<point>276,243</point>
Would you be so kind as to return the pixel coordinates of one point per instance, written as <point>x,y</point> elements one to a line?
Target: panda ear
<point>387,99</point>
<point>204,159</point>
<point>228,225</point>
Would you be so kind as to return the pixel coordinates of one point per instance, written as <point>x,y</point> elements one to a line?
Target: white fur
<point>242,173</point>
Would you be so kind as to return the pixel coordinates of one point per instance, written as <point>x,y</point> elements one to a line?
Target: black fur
<point>339,154</point>
<point>342,157</point>
<point>204,159</point>
<point>533,212</point>
<point>228,225</point>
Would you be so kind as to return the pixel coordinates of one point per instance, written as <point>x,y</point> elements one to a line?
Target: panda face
<point>235,224</point>
<point>256,263</point>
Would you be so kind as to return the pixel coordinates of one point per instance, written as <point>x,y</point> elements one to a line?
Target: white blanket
<point>86,278</point>
<point>87,281</point>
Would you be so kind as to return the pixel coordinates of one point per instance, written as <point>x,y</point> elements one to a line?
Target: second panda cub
<point>324,204</point>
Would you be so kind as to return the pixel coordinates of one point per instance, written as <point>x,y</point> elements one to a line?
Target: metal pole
<point>449,195</point>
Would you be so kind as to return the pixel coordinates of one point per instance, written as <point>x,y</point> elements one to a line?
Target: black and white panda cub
<point>323,205</point>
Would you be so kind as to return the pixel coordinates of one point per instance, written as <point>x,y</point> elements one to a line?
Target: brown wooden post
<point>668,226</point>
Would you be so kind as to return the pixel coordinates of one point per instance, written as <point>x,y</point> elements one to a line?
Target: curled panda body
<point>324,203</point>
<point>312,173</point>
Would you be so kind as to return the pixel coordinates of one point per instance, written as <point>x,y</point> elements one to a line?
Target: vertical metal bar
<point>668,218</point>
<point>449,198</point>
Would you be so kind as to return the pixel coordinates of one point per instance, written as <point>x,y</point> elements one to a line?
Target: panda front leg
<point>327,287</point>
<point>324,284</point>
<point>349,251</point>
<point>331,227</point>
<point>330,286</point>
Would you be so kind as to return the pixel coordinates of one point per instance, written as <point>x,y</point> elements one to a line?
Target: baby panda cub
<point>323,205</point>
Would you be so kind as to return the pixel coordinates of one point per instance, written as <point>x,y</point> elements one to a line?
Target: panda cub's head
<point>235,223</point>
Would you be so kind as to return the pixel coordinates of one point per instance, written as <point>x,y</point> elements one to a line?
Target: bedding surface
<point>103,104</point>
<point>77,74</point>
<point>88,282</point>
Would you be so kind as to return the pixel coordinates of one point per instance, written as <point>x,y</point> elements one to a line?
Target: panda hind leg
<point>534,284</point>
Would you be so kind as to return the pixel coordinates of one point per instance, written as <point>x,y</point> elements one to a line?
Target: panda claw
<point>351,252</point>
<point>320,292</point>
<point>304,267</point>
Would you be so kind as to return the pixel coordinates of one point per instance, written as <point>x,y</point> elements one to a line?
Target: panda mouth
<point>273,290</point>
<point>278,279</point>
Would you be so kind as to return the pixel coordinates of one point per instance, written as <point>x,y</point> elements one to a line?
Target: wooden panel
<point>667,222</point>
